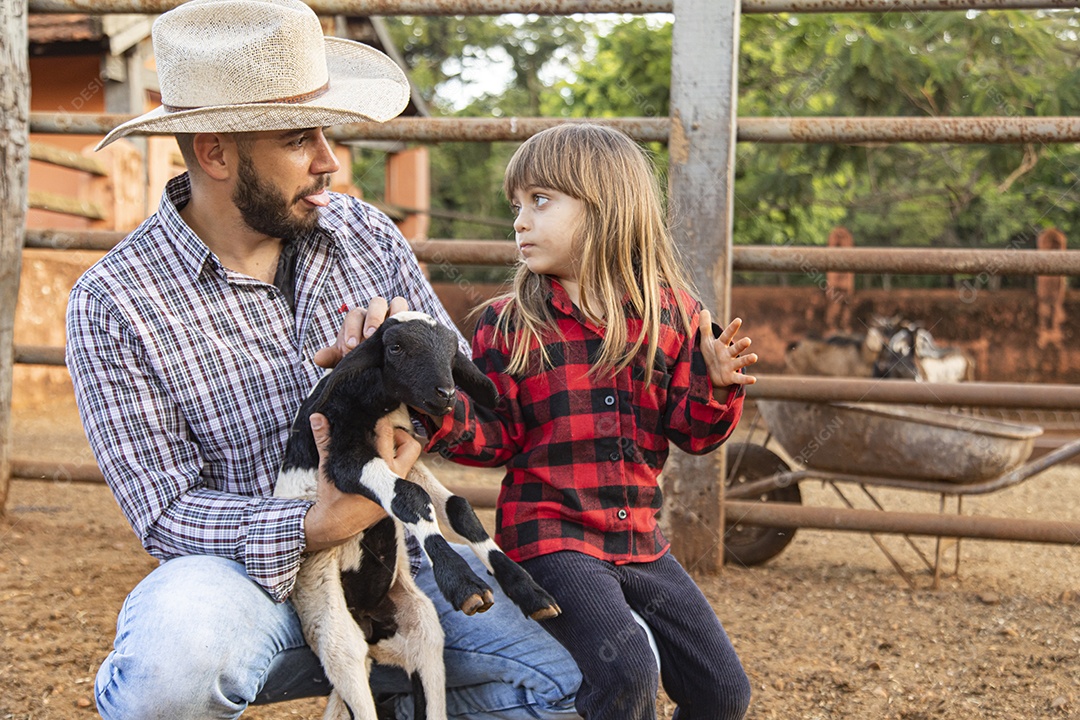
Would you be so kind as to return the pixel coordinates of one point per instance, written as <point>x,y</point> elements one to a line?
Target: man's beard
<point>265,209</point>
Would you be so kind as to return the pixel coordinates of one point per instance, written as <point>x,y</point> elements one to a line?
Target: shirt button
<point>622,514</point>
<point>614,456</point>
<point>609,400</point>
<point>269,294</point>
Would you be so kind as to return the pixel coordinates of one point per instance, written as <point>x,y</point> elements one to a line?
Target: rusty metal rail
<point>1063,532</point>
<point>469,252</point>
<point>39,355</point>
<point>563,7</point>
<point>88,471</point>
<point>1019,395</point>
<point>797,387</point>
<point>904,261</point>
<point>80,471</point>
<point>38,239</point>
<point>811,259</point>
<point>399,129</point>
<point>769,514</point>
<point>65,158</point>
<point>747,258</point>
<point>827,6</point>
<point>383,7</point>
<point>842,130</point>
<point>849,130</point>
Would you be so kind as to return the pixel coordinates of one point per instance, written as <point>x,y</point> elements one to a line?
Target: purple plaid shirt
<point>188,375</point>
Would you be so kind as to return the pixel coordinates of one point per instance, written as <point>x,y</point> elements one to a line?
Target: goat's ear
<point>368,354</point>
<point>475,383</point>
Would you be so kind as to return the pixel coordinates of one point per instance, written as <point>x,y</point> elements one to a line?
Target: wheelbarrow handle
<point>759,487</point>
<point>1065,452</point>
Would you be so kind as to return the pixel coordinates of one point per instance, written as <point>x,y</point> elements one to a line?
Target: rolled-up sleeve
<point>152,464</point>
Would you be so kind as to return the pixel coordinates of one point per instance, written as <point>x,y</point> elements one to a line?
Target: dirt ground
<point>825,630</point>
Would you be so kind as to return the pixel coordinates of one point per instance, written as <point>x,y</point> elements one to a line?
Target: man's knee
<point>194,639</point>
<point>148,686</point>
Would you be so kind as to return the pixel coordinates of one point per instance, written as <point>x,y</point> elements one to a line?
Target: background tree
<point>444,55</point>
<point>1002,63</point>
<point>919,65</point>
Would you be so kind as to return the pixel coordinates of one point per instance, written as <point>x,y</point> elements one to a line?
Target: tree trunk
<point>14,174</point>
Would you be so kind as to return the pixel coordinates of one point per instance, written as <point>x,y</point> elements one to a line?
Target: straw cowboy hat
<point>246,65</point>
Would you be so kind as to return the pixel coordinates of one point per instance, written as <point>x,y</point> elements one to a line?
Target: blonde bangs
<point>547,163</point>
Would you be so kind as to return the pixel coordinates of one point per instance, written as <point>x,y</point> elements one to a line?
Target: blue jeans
<point>198,639</point>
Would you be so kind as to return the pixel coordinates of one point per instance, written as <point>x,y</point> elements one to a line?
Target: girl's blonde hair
<point>624,251</point>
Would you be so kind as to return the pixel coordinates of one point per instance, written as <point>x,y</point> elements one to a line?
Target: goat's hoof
<point>546,613</point>
<point>478,603</point>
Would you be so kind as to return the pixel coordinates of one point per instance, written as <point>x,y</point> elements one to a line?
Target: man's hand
<point>359,323</point>
<point>722,356</point>
<point>337,516</point>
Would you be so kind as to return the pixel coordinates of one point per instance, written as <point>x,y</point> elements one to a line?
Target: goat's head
<point>898,359</point>
<point>421,364</point>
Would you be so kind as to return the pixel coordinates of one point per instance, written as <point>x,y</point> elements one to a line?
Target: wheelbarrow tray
<point>897,441</point>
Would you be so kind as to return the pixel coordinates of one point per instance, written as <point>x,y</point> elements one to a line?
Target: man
<point>193,343</point>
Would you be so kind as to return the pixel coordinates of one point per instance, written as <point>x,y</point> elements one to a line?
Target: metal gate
<point>701,132</point>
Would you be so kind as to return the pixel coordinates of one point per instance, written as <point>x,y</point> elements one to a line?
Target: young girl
<point>599,364</point>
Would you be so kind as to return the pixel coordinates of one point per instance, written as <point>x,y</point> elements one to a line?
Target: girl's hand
<point>722,356</point>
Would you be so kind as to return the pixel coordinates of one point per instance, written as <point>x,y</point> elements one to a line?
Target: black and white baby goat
<point>358,599</point>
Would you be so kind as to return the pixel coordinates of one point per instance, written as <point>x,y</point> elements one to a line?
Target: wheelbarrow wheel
<point>754,544</point>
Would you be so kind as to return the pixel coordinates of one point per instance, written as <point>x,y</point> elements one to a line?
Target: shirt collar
<point>560,300</point>
<point>191,249</point>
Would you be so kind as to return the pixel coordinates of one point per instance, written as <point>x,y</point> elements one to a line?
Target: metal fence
<point>702,132</point>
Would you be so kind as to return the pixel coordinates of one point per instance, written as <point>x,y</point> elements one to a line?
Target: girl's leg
<point>701,671</point>
<point>619,673</point>
<point>196,639</point>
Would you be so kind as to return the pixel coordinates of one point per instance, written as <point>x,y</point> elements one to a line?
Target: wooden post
<point>704,65</point>
<point>408,184</point>
<point>1050,294</point>
<point>839,286</point>
<point>14,178</point>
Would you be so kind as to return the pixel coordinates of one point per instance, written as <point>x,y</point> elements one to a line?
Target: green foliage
<point>1000,63</point>
<point>931,64</point>
<point>628,74</point>
<point>440,52</point>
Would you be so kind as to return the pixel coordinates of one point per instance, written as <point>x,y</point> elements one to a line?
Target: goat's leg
<point>334,637</point>
<point>417,646</point>
<point>412,506</point>
<point>460,521</point>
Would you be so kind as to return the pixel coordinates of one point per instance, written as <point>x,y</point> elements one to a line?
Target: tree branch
<point>1031,159</point>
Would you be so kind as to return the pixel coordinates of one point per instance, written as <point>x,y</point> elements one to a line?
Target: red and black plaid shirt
<point>583,453</point>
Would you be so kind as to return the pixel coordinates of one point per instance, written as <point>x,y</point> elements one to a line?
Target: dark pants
<point>699,667</point>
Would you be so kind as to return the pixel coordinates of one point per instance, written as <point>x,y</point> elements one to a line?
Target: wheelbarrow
<point>873,445</point>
